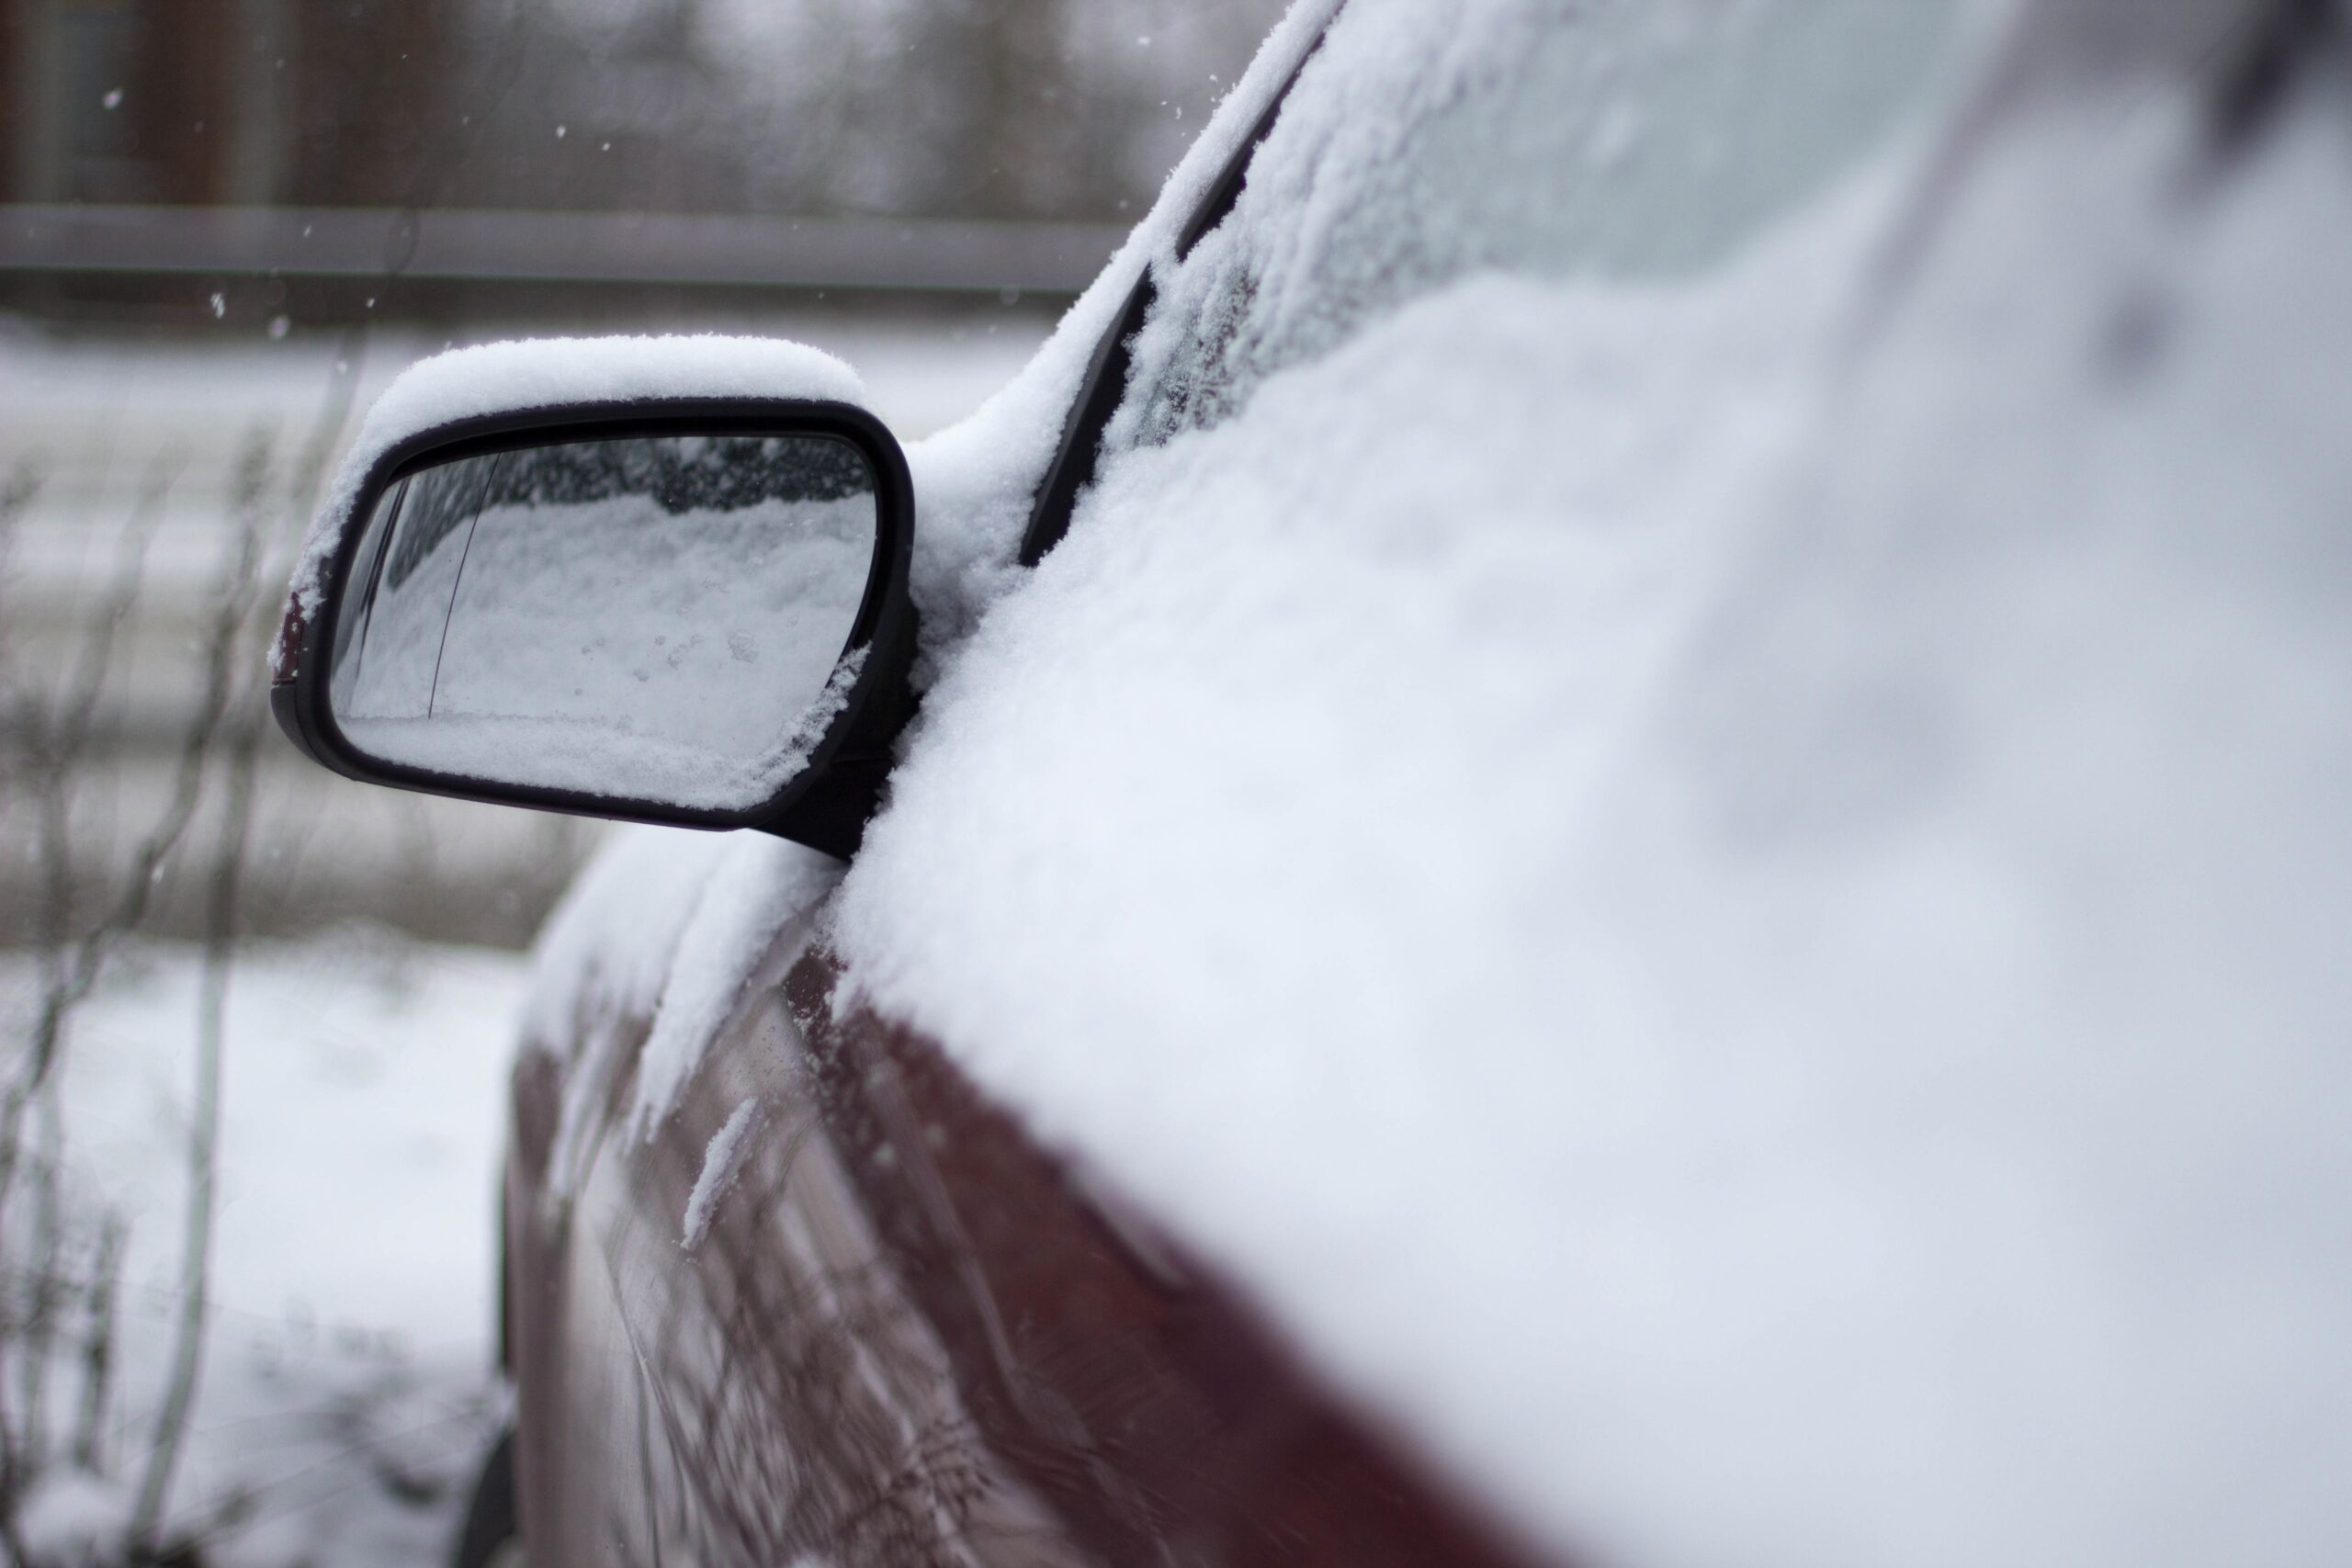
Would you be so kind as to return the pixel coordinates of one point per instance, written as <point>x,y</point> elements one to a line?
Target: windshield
<point>1661,145</point>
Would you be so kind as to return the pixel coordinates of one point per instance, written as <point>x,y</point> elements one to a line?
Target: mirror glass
<point>658,618</point>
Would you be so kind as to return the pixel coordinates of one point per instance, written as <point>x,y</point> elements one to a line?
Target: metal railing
<point>476,245</point>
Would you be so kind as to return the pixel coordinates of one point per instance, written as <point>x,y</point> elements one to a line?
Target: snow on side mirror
<point>643,605</point>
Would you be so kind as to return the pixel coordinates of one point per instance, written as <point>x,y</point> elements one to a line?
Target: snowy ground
<point>349,1389</point>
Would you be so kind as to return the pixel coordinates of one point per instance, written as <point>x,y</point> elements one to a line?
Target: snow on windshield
<point>1648,141</point>
<point>1732,914</point>
<point>975,482</point>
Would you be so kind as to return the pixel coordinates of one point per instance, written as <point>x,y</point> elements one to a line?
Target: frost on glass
<point>659,619</point>
<point>1555,140</point>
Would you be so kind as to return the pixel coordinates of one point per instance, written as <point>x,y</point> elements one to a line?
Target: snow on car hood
<point>1735,925</point>
<point>1736,922</point>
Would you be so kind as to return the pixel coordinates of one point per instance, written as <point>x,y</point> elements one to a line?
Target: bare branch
<point>46,1287</point>
<point>65,730</point>
<point>223,887</point>
<point>16,496</point>
<point>77,971</point>
<point>97,1342</point>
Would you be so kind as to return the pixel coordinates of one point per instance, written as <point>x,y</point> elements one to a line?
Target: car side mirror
<point>690,611</point>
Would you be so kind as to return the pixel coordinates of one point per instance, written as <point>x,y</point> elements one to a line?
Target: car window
<point>1625,141</point>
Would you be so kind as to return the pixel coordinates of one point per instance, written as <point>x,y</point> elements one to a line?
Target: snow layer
<point>609,946</point>
<point>345,1397</point>
<point>71,1518</point>
<point>720,1165</point>
<point>975,482</point>
<point>543,372</point>
<point>1735,918</point>
<point>664,926</point>
<point>760,885</point>
<point>608,950</point>
<point>1727,911</point>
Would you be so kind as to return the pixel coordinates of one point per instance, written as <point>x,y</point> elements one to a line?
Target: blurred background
<point>254,1019</point>
<point>224,224</point>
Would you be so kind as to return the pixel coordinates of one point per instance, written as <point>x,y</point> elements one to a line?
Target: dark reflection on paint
<point>806,1405</point>
<point>905,1338</point>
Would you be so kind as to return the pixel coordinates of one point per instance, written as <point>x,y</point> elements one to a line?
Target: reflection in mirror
<point>654,619</point>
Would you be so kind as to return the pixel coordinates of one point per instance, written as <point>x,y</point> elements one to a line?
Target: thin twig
<point>17,497</point>
<point>223,890</point>
<point>37,1330</point>
<point>78,970</point>
<point>97,1343</point>
<point>54,741</point>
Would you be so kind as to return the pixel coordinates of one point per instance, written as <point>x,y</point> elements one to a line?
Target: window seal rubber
<point>1106,382</point>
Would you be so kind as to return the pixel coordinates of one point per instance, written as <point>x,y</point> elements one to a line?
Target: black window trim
<point>1106,382</point>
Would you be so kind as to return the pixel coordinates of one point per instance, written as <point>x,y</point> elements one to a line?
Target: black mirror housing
<point>824,802</point>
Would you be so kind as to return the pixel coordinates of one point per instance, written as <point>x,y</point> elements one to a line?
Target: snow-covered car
<point>1607,824</point>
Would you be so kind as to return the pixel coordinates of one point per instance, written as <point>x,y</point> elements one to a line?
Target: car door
<point>836,1305</point>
